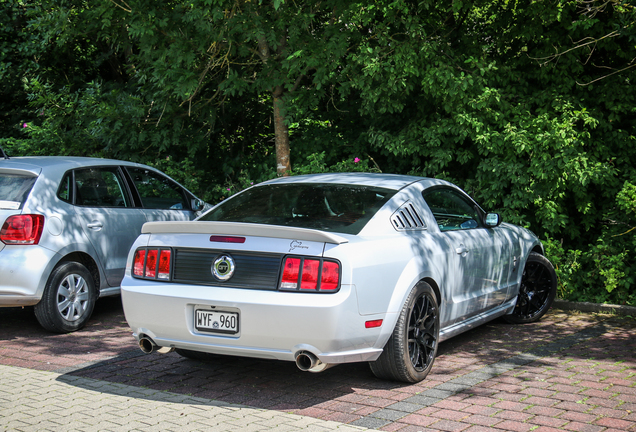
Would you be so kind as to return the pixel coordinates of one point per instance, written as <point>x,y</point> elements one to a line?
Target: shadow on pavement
<point>598,350</point>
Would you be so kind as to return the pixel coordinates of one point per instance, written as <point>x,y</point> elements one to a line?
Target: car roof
<point>389,181</point>
<point>58,163</point>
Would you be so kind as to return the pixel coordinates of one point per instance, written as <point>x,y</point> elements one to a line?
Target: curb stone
<point>594,307</point>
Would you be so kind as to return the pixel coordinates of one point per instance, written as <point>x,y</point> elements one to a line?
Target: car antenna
<point>3,154</point>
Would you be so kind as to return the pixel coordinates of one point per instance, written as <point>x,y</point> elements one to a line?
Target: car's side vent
<point>407,218</point>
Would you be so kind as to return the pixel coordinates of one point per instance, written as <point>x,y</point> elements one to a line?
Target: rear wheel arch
<point>87,261</point>
<point>410,351</point>
<point>436,290</point>
<point>538,249</point>
<point>68,298</point>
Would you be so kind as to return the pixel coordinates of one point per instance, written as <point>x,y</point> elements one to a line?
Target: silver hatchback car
<point>67,226</point>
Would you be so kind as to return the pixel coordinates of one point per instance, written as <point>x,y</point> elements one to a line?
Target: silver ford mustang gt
<point>333,268</point>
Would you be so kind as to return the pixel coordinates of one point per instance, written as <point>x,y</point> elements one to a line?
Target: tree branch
<point>606,76</point>
<point>129,10</point>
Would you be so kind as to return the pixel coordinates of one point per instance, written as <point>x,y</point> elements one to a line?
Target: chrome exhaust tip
<point>308,362</point>
<point>149,346</point>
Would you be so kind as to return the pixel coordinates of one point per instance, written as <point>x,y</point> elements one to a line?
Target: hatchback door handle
<point>95,225</point>
<point>462,250</point>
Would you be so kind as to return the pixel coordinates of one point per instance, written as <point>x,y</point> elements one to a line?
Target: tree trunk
<point>281,133</point>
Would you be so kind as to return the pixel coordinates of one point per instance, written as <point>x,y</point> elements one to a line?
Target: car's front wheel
<point>536,292</point>
<point>68,299</point>
<point>410,351</point>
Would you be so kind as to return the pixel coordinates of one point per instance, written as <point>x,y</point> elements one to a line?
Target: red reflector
<point>290,273</point>
<point>330,276</point>
<point>138,263</point>
<point>310,274</point>
<point>22,229</point>
<point>227,239</point>
<point>164,265</point>
<point>373,323</point>
<point>151,263</point>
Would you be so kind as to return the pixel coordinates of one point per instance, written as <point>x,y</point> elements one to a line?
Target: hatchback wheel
<point>410,351</point>
<point>537,291</point>
<point>68,299</point>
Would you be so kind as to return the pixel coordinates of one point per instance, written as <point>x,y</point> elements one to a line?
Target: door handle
<point>462,250</point>
<point>95,225</point>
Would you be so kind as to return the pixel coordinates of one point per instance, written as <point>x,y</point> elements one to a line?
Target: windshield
<point>328,207</point>
<point>14,189</point>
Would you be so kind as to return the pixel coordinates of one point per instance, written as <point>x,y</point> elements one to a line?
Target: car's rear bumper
<point>272,324</point>
<point>23,274</point>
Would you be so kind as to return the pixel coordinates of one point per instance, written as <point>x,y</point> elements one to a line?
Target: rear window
<point>327,207</point>
<point>14,189</point>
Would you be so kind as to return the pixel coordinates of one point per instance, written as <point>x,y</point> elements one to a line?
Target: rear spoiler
<point>238,228</point>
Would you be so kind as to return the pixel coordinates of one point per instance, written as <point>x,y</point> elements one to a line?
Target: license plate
<point>216,321</point>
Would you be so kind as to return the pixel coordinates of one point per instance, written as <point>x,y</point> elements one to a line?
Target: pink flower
<point>356,160</point>
<point>24,125</point>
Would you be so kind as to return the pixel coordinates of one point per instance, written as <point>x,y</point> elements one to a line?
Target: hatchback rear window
<point>14,189</point>
<point>328,207</point>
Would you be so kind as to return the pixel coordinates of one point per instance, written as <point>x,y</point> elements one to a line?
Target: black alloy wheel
<point>536,292</point>
<point>409,354</point>
<point>422,339</point>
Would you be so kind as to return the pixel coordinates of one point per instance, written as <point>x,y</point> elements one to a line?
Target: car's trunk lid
<point>257,251</point>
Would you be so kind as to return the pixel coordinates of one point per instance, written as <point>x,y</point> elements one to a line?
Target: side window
<point>452,210</point>
<point>66,186</point>
<point>14,189</point>
<point>100,187</point>
<point>157,191</point>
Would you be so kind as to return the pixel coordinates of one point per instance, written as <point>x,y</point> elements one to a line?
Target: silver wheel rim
<point>72,297</point>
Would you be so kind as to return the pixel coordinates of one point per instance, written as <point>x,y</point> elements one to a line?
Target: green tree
<point>526,104</point>
<point>205,52</point>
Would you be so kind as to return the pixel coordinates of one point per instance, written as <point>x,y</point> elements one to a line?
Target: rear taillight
<point>310,274</point>
<point>152,263</point>
<point>163,268</point>
<point>139,262</point>
<point>22,229</point>
<point>291,269</point>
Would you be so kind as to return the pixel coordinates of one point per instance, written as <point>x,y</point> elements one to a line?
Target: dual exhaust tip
<point>305,360</point>
<point>149,346</point>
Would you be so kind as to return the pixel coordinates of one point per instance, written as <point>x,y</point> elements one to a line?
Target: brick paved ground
<point>571,371</point>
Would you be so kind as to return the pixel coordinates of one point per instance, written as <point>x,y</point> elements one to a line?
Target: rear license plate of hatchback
<point>216,321</point>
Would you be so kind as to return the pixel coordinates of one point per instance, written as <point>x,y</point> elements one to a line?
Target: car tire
<point>410,351</point>
<point>68,299</point>
<point>195,355</point>
<point>536,292</point>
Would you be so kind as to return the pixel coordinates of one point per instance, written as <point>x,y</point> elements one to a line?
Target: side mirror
<point>197,204</point>
<point>493,220</point>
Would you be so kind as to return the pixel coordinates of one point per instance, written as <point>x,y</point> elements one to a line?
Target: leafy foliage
<point>528,105</point>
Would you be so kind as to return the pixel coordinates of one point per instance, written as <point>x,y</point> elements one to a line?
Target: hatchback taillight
<point>310,274</point>
<point>22,229</point>
<point>152,263</point>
